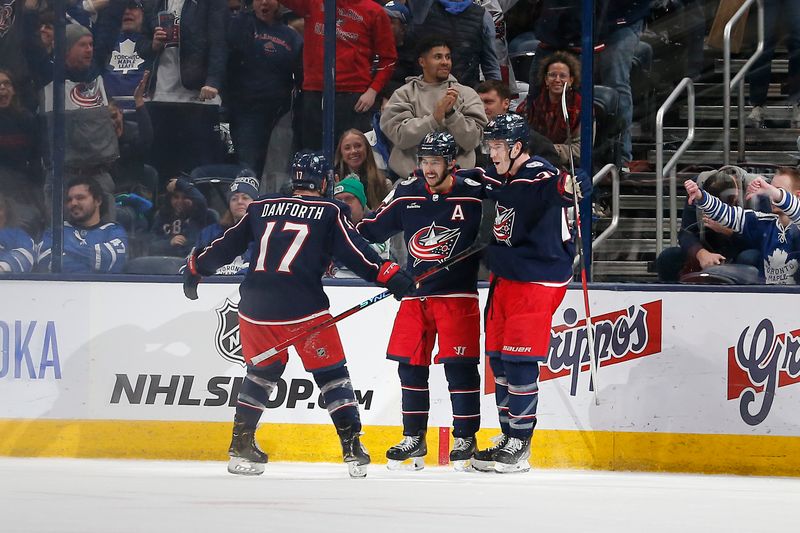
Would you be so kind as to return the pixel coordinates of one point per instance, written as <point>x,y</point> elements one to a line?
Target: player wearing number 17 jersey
<point>440,216</point>
<point>295,239</point>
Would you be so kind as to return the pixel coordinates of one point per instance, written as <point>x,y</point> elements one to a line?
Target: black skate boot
<point>353,452</point>
<point>462,452</point>
<point>246,459</point>
<point>411,447</point>
<point>513,457</point>
<point>483,460</point>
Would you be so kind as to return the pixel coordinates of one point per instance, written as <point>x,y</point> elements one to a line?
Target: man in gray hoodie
<point>434,101</point>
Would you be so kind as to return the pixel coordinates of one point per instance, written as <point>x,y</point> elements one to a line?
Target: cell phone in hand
<point>166,20</point>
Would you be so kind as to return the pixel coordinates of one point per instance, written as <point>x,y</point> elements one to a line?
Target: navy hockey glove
<point>396,280</point>
<point>191,278</point>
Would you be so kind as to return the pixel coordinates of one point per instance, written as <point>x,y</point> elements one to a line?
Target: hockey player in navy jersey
<point>776,234</point>
<point>439,215</point>
<point>531,265</point>
<point>282,296</point>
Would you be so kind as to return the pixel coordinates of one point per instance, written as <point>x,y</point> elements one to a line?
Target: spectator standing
<point>89,245</point>
<point>761,73</point>
<point>244,190</point>
<point>399,17</point>
<point>264,69</point>
<point>20,167</point>
<point>354,159</point>
<point>14,31</point>
<point>380,144</point>
<point>186,42</point>
<point>16,246</point>
<point>559,72</point>
<point>434,101</point>
<point>177,224</point>
<point>135,138</point>
<point>125,68</point>
<point>466,26</point>
<point>363,32</point>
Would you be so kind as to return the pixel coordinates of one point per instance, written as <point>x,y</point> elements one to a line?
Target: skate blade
<point>463,466</point>
<point>243,467</point>
<point>481,466</point>
<point>412,464</point>
<point>356,470</point>
<point>520,466</point>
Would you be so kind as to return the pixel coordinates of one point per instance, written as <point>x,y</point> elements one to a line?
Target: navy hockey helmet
<point>508,127</point>
<point>309,170</point>
<point>438,143</point>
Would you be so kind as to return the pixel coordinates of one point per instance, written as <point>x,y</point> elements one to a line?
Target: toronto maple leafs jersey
<point>16,251</point>
<point>124,70</point>
<point>296,238</point>
<point>436,227</point>
<point>532,237</point>
<point>779,245</point>
<point>240,262</point>
<point>98,249</point>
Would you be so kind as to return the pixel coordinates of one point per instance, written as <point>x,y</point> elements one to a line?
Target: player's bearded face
<point>434,169</point>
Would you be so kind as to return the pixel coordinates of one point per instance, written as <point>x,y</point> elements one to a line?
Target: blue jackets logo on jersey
<point>433,243</point>
<point>226,338</point>
<point>503,224</point>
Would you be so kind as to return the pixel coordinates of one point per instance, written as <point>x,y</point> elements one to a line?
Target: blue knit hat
<point>246,184</point>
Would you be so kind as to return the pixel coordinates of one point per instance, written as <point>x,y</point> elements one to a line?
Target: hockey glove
<point>584,182</point>
<point>191,277</point>
<point>396,280</point>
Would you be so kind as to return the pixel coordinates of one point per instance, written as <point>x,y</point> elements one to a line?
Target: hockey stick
<point>474,248</point>
<point>579,243</point>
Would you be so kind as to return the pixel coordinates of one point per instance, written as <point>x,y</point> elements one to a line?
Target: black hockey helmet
<point>438,143</point>
<point>309,170</point>
<point>508,127</point>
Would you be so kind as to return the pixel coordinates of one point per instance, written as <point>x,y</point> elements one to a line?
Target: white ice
<point>110,496</point>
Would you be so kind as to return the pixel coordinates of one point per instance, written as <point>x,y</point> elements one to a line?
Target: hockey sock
<point>255,390</point>
<point>464,384</point>
<point>523,397</point>
<point>500,391</point>
<point>340,399</point>
<point>416,401</point>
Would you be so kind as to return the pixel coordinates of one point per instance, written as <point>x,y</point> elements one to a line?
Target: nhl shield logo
<point>433,243</point>
<point>226,338</point>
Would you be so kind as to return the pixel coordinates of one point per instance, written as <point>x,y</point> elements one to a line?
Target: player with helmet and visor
<point>530,261</point>
<point>439,215</point>
<point>295,239</point>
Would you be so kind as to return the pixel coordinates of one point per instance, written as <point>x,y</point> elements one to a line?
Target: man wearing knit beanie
<point>351,192</point>
<point>79,48</point>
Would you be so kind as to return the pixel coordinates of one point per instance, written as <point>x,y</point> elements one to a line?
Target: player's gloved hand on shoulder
<point>398,281</point>
<point>584,184</point>
<point>475,174</point>
<point>191,278</point>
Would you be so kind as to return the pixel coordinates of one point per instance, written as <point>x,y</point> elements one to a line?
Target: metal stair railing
<point>670,167</point>
<point>729,84</point>
<point>612,227</point>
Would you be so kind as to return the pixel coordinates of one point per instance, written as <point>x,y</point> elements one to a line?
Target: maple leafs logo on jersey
<point>503,224</point>
<point>126,59</point>
<point>433,243</point>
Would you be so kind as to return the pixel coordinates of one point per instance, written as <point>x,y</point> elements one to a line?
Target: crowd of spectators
<point>154,86</point>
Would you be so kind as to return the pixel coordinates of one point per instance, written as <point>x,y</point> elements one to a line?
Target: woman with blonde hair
<point>354,158</point>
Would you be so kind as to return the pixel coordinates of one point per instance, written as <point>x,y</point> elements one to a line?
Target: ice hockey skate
<point>513,457</point>
<point>413,448</point>
<point>354,454</point>
<point>462,452</point>
<point>483,460</point>
<point>246,459</point>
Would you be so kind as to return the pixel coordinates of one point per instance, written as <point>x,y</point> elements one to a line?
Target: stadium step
<point>711,157</point>
<point>753,136</point>
<point>779,66</point>
<point>714,90</point>
<point>775,113</point>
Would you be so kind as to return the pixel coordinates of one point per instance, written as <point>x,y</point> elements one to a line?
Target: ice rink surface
<point>76,495</point>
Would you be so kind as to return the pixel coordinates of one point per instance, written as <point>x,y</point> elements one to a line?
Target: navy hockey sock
<point>255,390</point>
<point>464,384</point>
<point>416,401</point>
<point>523,397</point>
<point>500,391</point>
<point>340,399</point>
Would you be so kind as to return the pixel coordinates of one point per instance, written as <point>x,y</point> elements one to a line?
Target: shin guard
<point>523,397</point>
<point>340,399</point>
<point>254,393</point>
<point>500,391</point>
<point>416,399</point>
<point>464,383</point>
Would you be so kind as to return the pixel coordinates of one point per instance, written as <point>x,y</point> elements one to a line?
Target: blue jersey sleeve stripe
<point>729,216</point>
<point>350,242</point>
<point>789,205</point>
